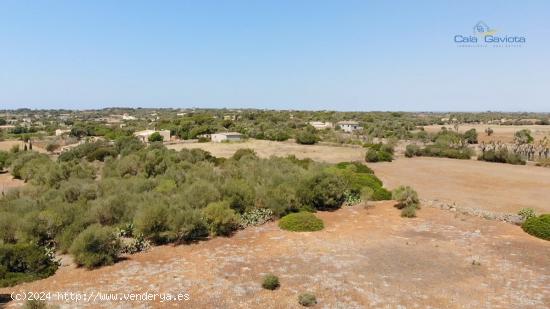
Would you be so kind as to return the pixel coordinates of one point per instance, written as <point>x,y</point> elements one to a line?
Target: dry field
<point>491,186</point>
<point>500,133</point>
<point>7,145</point>
<point>364,258</point>
<point>8,182</point>
<point>323,153</point>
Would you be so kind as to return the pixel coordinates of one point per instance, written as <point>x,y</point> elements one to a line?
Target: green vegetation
<point>24,262</point>
<point>446,144</point>
<point>307,299</point>
<point>270,282</point>
<point>523,137</point>
<point>301,222</point>
<point>307,136</point>
<point>527,213</point>
<point>538,226</point>
<point>407,200</point>
<point>502,155</point>
<point>153,194</point>
<point>379,153</point>
<point>155,137</point>
<point>95,246</point>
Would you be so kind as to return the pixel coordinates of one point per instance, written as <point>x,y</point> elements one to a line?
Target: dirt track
<point>492,186</point>
<point>363,259</point>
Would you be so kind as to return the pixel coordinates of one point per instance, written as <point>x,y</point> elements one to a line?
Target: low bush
<point>24,262</point>
<point>501,156</point>
<point>270,282</point>
<point>96,246</point>
<point>307,299</point>
<point>527,213</point>
<point>405,197</point>
<point>538,226</point>
<point>323,191</point>
<point>374,155</point>
<point>221,219</point>
<point>256,216</point>
<point>243,152</point>
<point>307,136</point>
<point>543,162</point>
<point>412,150</point>
<point>408,212</point>
<point>301,222</point>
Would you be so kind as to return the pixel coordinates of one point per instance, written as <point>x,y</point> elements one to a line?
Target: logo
<point>485,36</point>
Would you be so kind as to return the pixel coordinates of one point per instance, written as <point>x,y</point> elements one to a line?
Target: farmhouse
<point>320,125</point>
<point>144,135</point>
<point>226,136</point>
<point>349,126</point>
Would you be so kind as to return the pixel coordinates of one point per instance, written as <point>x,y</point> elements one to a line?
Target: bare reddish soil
<point>364,258</point>
<point>492,186</point>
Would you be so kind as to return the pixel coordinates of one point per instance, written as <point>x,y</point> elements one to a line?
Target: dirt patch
<point>500,133</point>
<point>7,182</point>
<point>363,258</point>
<point>323,153</point>
<point>469,183</point>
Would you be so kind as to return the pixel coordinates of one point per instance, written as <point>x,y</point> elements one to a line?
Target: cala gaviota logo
<point>485,36</point>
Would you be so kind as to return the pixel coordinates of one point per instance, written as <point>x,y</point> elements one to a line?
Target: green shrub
<point>221,219</point>
<point>256,216</point>
<point>527,213</point>
<point>187,224</point>
<point>307,299</point>
<point>152,220</point>
<point>408,212</point>
<point>36,304</point>
<point>373,155</point>
<point>307,136</point>
<point>501,156</point>
<point>323,191</point>
<point>155,137</point>
<point>405,197</point>
<point>244,152</point>
<point>270,282</point>
<point>24,262</point>
<point>471,136</point>
<point>538,226</point>
<point>96,246</point>
<point>358,167</point>
<point>301,222</point>
<point>412,150</point>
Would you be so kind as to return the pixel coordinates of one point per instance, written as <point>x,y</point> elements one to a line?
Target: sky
<point>296,54</point>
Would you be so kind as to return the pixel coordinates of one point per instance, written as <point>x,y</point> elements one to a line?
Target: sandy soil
<point>500,133</point>
<point>324,153</point>
<point>8,182</point>
<point>469,183</point>
<point>364,258</point>
<point>7,145</point>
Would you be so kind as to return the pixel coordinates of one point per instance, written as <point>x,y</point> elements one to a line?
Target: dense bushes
<point>301,222</point>
<point>323,191</point>
<point>379,153</point>
<point>501,156</point>
<point>24,262</point>
<point>538,226</point>
<point>307,136</point>
<point>96,246</point>
<point>165,196</point>
<point>441,151</point>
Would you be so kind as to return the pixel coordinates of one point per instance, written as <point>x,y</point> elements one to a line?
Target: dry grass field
<point>500,133</point>
<point>323,153</point>
<point>364,258</point>
<point>491,186</point>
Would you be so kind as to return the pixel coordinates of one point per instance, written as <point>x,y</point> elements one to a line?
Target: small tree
<point>51,147</point>
<point>221,219</point>
<point>523,137</point>
<point>95,246</point>
<point>471,136</point>
<point>307,136</point>
<point>156,137</point>
<point>489,131</point>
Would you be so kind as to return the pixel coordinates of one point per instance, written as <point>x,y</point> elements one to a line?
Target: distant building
<point>128,117</point>
<point>320,125</point>
<point>60,132</point>
<point>226,137</point>
<point>349,126</point>
<point>144,135</point>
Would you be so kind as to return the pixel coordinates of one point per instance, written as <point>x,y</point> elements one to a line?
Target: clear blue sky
<point>338,55</point>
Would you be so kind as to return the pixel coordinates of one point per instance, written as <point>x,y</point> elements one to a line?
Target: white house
<point>59,132</point>
<point>320,125</point>
<point>349,126</point>
<point>144,135</point>
<point>226,136</point>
